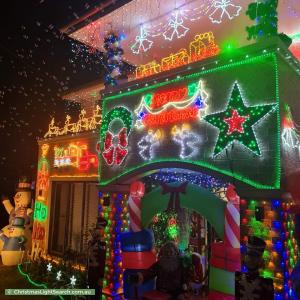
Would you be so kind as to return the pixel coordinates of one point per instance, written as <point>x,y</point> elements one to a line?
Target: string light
<point>175,27</point>
<point>188,141</point>
<point>40,211</point>
<point>141,42</point>
<point>75,155</point>
<point>149,112</point>
<point>245,135</point>
<point>115,154</point>
<point>148,144</point>
<point>203,46</point>
<point>223,8</point>
<point>83,124</point>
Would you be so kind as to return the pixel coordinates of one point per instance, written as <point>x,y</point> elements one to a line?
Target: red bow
<point>174,202</point>
<point>115,154</point>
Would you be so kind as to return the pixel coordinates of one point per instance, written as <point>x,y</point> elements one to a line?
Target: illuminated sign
<point>172,106</point>
<point>220,119</point>
<point>75,155</point>
<point>40,212</point>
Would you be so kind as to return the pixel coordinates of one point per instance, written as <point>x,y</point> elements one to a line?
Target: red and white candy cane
<point>232,218</point>
<point>137,190</point>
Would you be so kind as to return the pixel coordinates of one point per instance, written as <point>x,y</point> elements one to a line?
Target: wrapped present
<point>222,282</point>
<point>134,291</point>
<point>226,258</point>
<point>137,241</point>
<point>175,60</point>
<point>138,260</point>
<point>203,46</point>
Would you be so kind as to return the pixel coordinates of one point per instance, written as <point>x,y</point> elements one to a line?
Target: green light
<point>40,212</point>
<point>267,274</point>
<point>40,285</point>
<point>277,174</point>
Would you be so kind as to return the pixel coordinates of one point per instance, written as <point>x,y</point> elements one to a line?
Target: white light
<point>141,42</point>
<point>49,267</point>
<point>58,275</point>
<point>73,280</point>
<point>224,8</point>
<point>188,140</point>
<point>175,27</point>
<point>148,144</point>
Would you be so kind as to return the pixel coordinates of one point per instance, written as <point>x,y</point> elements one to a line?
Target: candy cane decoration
<point>232,218</point>
<point>137,190</point>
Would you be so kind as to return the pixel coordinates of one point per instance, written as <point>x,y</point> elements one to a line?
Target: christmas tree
<point>264,13</point>
<point>114,66</point>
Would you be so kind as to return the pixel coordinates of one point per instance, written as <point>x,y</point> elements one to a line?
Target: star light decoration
<point>175,27</point>
<point>49,267</point>
<point>73,280</point>
<point>58,275</point>
<point>223,8</point>
<point>237,123</point>
<point>142,44</point>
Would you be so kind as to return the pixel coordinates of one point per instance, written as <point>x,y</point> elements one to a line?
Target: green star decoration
<point>246,116</point>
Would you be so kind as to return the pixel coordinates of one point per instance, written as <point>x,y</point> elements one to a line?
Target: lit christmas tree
<point>264,13</point>
<point>114,66</point>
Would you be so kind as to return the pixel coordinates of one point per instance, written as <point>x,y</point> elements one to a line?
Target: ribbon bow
<point>174,202</point>
<point>115,154</point>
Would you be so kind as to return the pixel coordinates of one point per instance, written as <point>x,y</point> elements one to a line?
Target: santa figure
<point>249,285</point>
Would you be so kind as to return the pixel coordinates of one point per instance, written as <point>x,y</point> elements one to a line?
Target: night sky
<point>38,64</point>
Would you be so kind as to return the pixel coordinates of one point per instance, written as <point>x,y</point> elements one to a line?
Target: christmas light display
<point>73,280</point>
<point>275,225</point>
<point>289,135</point>
<point>42,184</point>
<point>83,124</point>
<point>222,9</point>
<point>142,44</point>
<point>264,13</point>
<point>203,180</point>
<point>75,155</point>
<point>188,140</point>
<point>49,267</point>
<point>235,124</point>
<point>203,46</point>
<point>117,218</point>
<point>40,211</point>
<point>114,66</point>
<point>165,228</point>
<point>148,143</point>
<point>154,108</point>
<point>58,275</point>
<point>175,27</point>
<point>115,154</point>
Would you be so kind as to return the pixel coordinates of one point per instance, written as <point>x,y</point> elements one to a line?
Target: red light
<point>171,117</point>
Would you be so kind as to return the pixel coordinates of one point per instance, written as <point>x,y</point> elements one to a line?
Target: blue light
<point>275,203</point>
<point>276,225</point>
<point>199,102</point>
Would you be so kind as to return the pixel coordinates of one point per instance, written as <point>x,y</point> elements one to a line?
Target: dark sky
<point>37,65</point>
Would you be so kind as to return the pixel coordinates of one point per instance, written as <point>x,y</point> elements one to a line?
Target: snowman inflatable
<point>22,201</point>
<point>13,242</point>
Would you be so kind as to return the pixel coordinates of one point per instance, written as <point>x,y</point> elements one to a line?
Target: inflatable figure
<point>14,243</point>
<point>21,209</point>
